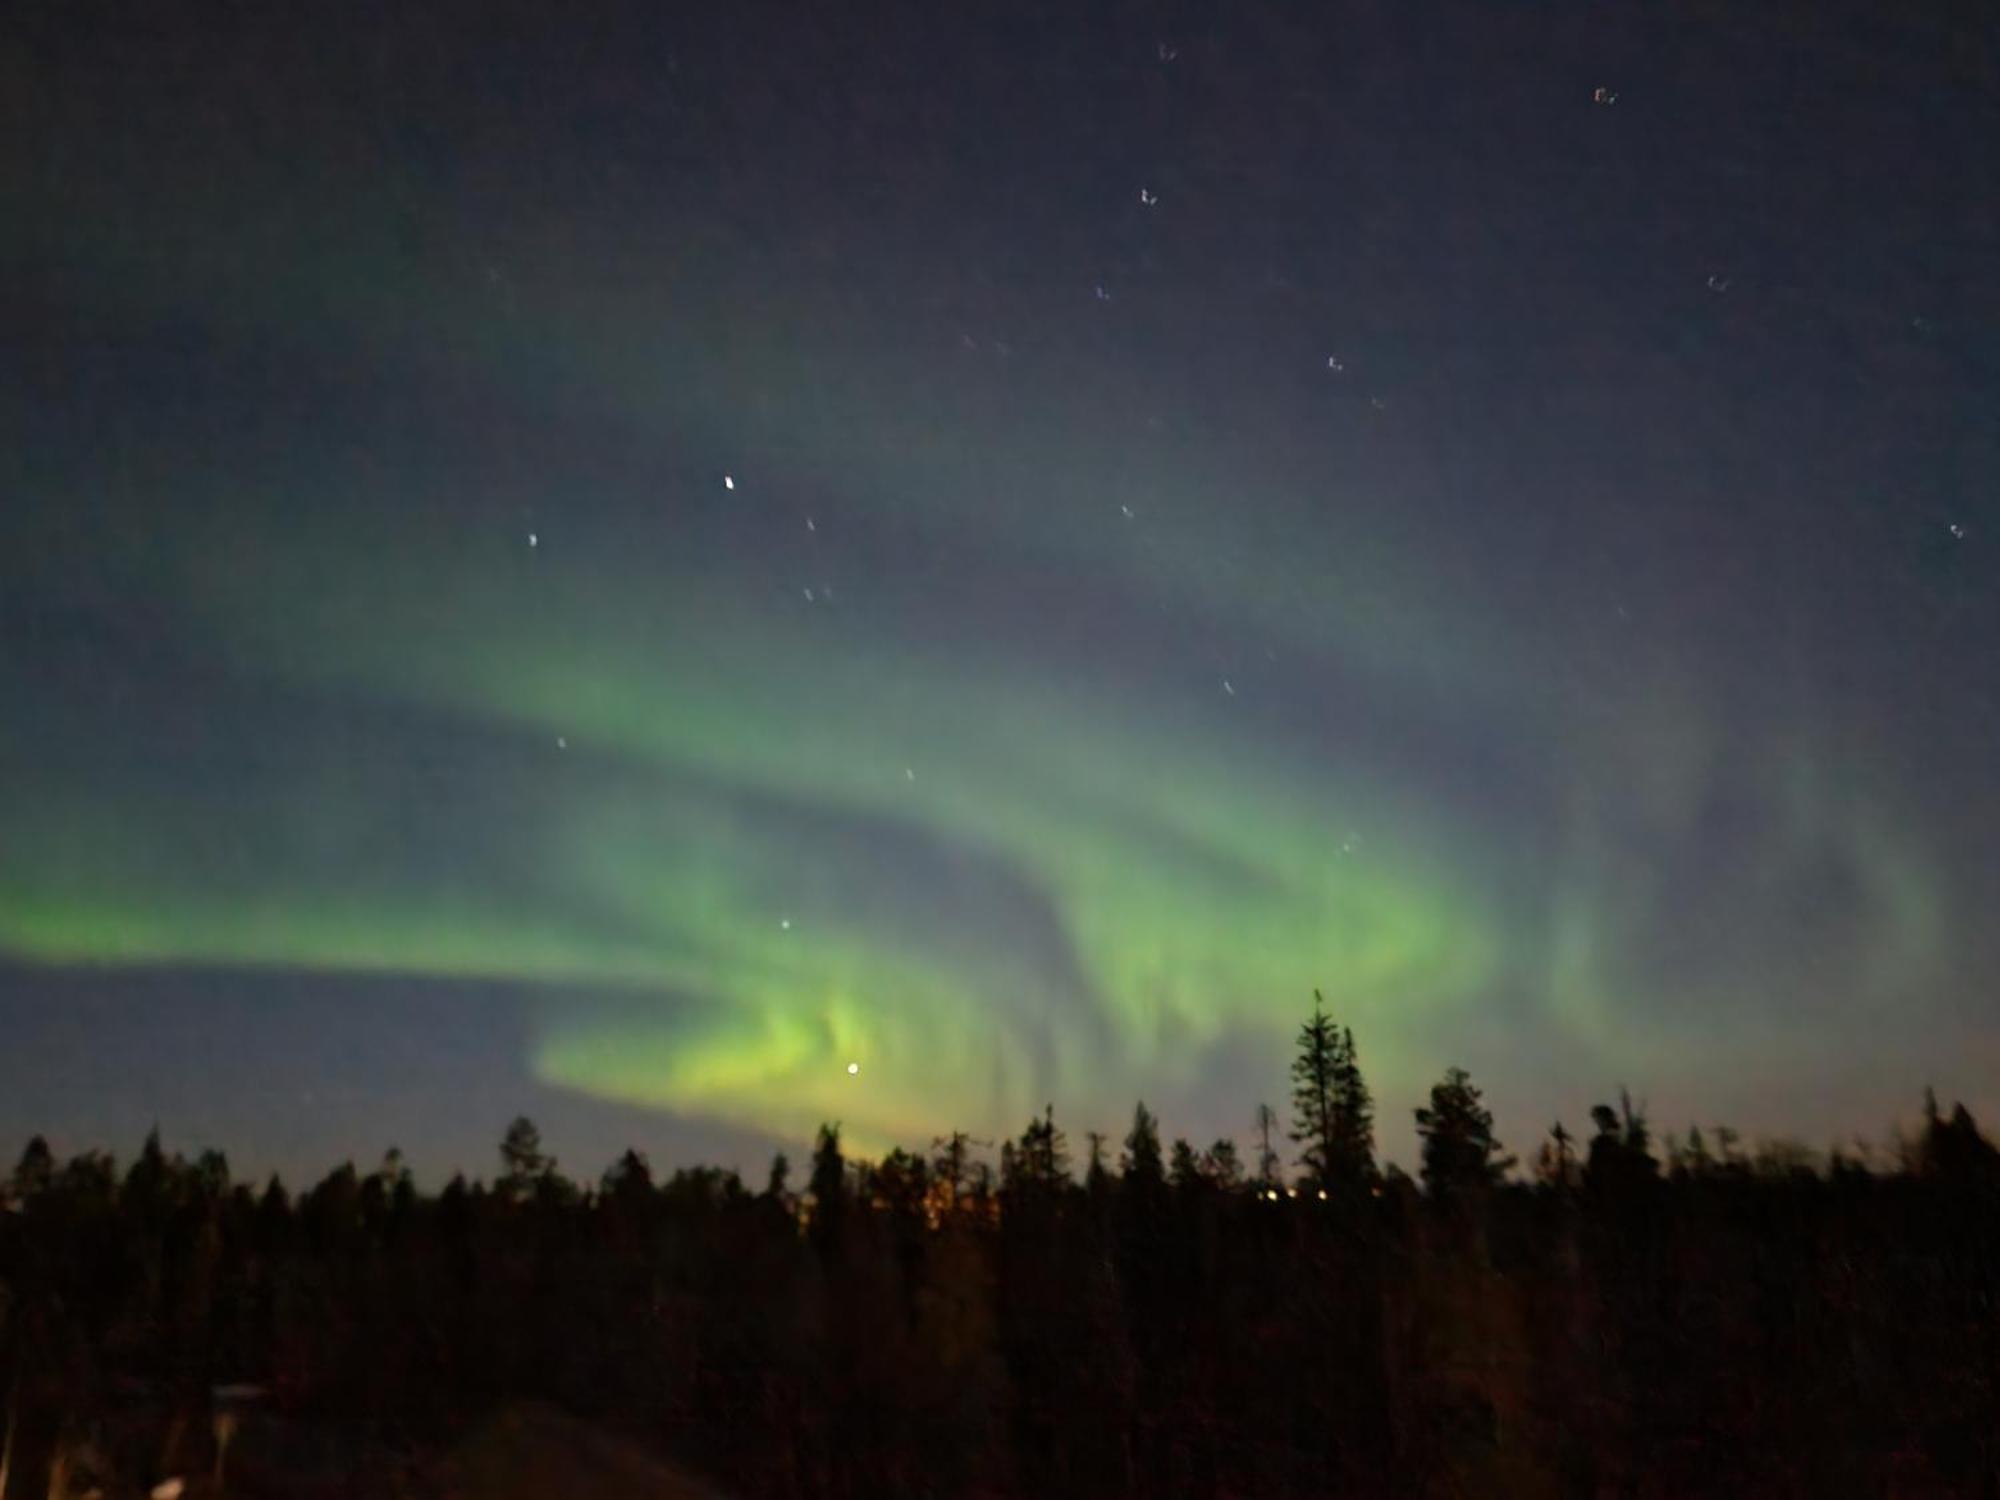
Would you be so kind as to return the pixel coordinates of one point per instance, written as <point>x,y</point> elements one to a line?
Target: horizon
<point>1395,1143</point>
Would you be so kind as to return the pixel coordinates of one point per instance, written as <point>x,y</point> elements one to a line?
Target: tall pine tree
<point>1333,1115</point>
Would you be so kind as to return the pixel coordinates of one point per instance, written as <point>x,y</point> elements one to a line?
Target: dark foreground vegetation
<point>1619,1320</point>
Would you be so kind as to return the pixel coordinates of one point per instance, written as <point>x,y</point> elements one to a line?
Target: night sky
<point>616,561</point>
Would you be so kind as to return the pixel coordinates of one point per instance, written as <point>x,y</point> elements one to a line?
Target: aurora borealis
<point>557,566</point>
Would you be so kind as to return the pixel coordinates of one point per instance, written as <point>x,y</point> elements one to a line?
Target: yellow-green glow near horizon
<point>1136,888</point>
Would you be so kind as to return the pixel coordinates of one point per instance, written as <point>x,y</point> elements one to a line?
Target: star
<point>729,481</point>
<point>533,540</point>
<point>785,924</point>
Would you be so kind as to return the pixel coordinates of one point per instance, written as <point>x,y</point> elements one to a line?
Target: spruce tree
<point>1333,1115</point>
<point>1354,1159</point>
<point>829,1188</point>
<point>1140,1164</point>
<point>1039,1161</point>
<point>1460,1153</point>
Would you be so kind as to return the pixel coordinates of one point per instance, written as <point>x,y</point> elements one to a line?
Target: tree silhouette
<point>1555,1162</point>
<point>1096,1177</point>
<point>1269,1169</point>
<point>148,1183</point>
<point>1140,1166</point>
<point>522,1160</point>
<point>1333,1115</point>
<point>828,1187</point>
<point>1460,1153</point>
<point>628,1180</point>
<point>1040,1161</point>
<point>1621,1157</point>
<point>1221,1165</point>
<point>1759,1326</point>
<point>34,1172</point>
<point>1954,1146</point>
<point>950,1161</point>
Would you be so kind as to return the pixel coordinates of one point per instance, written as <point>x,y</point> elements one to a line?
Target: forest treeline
<point>1130,1318</point>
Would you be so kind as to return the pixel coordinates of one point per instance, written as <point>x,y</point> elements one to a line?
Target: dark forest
<point>1616,1316</point>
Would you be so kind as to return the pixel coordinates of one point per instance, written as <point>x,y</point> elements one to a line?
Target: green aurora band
<point>1192,882</point>
<point>780,836</point>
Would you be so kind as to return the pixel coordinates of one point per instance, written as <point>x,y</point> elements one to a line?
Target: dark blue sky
<point>619,565</point>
